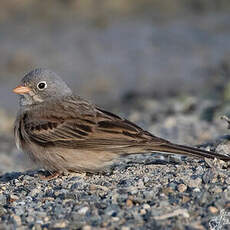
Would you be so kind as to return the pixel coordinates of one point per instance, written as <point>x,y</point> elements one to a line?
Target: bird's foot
<point>50,177</point>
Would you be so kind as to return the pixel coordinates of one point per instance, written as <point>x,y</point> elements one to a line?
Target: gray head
<point>40,85</point>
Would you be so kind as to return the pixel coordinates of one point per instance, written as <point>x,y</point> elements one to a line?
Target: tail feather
<point>190,151</point>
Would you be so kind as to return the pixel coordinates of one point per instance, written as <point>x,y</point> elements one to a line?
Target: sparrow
<point>62,132</point>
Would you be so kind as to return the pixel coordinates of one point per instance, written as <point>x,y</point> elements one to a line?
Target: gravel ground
<point>140,192</point>
<point>162,195</point>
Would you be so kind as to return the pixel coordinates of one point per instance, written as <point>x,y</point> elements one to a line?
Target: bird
<point>62,132</point>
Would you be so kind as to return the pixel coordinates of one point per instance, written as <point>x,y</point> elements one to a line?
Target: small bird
<point>62,132</point>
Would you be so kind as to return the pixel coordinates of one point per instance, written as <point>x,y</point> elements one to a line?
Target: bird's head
<point>40,85</point>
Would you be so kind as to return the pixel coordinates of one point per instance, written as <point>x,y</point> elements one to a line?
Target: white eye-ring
<point>42,85</point>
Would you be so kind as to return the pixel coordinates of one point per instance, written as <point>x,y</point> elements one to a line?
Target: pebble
<point>13,197</point>
<point>60,224</point>
<point>143,212</point>
<point>227,180</point>
<point>86,227</point>
<point>35,191</point>
<point>146,206</point>
<point>217,190</point>
<point>3,199</point>
<point>125,228</point>
<point>185,199</point>
<point>83,210</point>
<point>129,203</point>
<point>195,183</point>
<point>37,227</point>
<point>182,187</point>
<point>16,220</point>
<point>213,209</point>
<point>115,219</point>
<point>30,219</point>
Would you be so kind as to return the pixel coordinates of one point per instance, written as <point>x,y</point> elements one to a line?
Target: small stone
<point>94,187</point>
<point>22,228</point>
<point>196,190</point>
<point>172,185</point>
<point>167,191</point>
<point>146,206</point>
<point>37,227</point>
<point>185,199</point>
<point>41,214</point>
<point>129,203</point>
<point>46,219</point>
<point>83,210</point>
<point>213,209</point>
<point>227,205</point>
<point>17,220</point>
<point>86,227</point>
<point>60,224</point>
<point>3,199</point>
<point>115,219</point>
<point>146,179</point>
<point>111,212</point>
<point>208,176</point>
<point>30,219</point>
<point>227,180</point>
<point>140,183</point>
<point>2,211</point>
<point>13,198</point>
<point>182,187</point>
<point>143,212</point>
<point>133,191</point>
<point>35,191</point>
<point>195,183</point>
<point>148,195</point>
<point>217,190</point>
<point>227,193</point>
<point>125,228</point>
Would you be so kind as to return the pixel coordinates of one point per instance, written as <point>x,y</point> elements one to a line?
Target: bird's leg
<point>50,177</point>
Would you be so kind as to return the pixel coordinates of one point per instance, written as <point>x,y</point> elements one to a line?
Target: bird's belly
<point>62,159</point>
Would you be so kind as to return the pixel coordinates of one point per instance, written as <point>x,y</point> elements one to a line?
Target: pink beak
<point>21,89</point>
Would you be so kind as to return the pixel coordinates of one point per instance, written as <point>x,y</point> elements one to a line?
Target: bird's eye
<point>41,85</point>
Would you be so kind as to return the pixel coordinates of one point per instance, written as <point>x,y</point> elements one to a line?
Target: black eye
<point>41,85</point>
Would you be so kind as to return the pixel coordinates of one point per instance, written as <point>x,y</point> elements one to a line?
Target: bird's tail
<point>189,151</point>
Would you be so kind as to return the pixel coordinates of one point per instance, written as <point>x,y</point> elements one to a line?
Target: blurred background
<point>114,52</point>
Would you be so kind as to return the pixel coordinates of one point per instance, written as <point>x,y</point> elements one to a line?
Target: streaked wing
<point>74,123</point>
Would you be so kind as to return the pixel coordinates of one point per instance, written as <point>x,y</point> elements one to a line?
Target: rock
<point>195,183</point>
<point>17,220</point>
<point>35,191</point>
<point>185,199</point>
<point>83,210</point>
<point>182,187</point>
<point>143,212</point>
<point>125,228</point>
<point>213,209</point>
<point>129,203</point>
<point>3,199</point>
<point>146,206</point>
<point>86,227</point>
<point>30,219</point>
<point>13,198</point>
<point>60,224</point>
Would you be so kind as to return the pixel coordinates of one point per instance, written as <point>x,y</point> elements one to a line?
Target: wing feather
<point>78,124</point>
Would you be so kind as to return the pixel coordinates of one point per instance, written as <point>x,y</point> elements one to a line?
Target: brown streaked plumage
<point>63,132</point>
